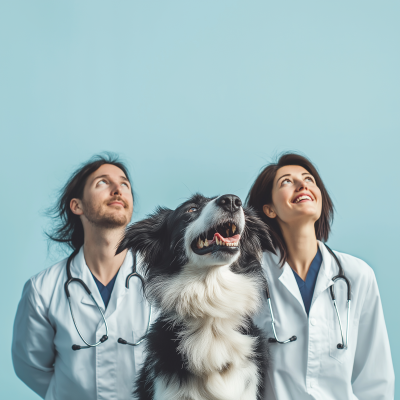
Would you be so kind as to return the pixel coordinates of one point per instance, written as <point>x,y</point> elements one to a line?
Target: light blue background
<point>198,96</point>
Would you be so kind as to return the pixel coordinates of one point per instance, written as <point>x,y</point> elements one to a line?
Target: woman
<point>292,200</point>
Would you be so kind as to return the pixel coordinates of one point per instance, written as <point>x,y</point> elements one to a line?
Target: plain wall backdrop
<point>198,96</point>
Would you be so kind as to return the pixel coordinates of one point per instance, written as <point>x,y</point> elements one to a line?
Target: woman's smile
<point>302,197</point>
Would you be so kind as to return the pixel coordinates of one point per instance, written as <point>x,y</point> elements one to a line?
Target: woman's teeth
<point>302,198</point>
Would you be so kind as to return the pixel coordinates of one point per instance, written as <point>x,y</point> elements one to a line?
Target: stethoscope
<point>341,275</point>
<point>70,279</point>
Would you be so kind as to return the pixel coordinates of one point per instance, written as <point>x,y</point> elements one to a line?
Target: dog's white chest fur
<point>211,306</point>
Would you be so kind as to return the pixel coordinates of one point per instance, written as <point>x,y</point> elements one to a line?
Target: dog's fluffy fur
<point>204,344</point>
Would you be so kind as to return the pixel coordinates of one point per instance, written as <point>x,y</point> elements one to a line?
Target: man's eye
<point>125,184</point>
<point>192,209</point>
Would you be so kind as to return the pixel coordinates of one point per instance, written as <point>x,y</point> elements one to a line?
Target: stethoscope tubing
<point>128,278</point>
<point>70,279</point>
<point>344,344</point>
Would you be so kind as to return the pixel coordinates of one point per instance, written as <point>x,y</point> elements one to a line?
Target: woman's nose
<point>301,186</point>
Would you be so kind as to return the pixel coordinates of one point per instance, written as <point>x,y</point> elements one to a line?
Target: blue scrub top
<point>307,287</point>
<point>105,291</point>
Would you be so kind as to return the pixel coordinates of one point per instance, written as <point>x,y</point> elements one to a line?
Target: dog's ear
<point>258,228</point>
<point>147,236</point>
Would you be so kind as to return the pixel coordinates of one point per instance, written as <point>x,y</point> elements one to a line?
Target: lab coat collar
<point>288,279</point>
<point>120,290</point>
<point>80,270</point>
<point>326,272</point>
<point>324,279</point>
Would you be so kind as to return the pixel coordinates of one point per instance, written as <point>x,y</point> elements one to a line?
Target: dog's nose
<point>229,202</point>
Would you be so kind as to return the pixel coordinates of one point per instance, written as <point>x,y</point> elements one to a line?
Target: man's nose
<point>229,202</point>
<point>116,190</point>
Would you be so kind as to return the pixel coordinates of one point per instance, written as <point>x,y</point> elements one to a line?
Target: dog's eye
<point>192,209</point>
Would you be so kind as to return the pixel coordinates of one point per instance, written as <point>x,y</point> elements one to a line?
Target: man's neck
<point>99,252</point>
<point>302,247</point>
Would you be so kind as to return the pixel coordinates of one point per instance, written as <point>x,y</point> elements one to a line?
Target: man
<point>93,210</point>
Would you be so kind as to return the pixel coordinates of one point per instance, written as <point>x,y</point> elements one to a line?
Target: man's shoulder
<point>49,276</point>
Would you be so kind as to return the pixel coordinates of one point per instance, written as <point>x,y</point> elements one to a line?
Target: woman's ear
<point>268,211</point>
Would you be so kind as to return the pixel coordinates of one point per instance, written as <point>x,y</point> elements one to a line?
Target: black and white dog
<point>203,272</point>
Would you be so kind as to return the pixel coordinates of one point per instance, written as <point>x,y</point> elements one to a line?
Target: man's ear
<point>146,236</point>
<point>76,206</point>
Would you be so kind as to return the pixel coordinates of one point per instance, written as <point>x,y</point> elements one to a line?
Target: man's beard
<point>101,219</point>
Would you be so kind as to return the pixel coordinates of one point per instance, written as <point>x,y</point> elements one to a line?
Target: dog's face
<point>213,230</point>
<point>201,233</point>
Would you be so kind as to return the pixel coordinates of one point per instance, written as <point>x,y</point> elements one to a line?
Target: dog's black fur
<point>160,241</point>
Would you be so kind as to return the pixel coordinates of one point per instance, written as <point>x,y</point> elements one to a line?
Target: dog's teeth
<point>233,228</point>
<point>201,244</point>
<point>206,243</point>
<point>227,233</point>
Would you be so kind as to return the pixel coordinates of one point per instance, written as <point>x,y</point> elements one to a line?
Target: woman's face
<point>295,196</point>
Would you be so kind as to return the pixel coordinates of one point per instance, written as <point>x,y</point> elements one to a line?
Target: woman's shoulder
<point>355,267</point>
<point>270,259</point>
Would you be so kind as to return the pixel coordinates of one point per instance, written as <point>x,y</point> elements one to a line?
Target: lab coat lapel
<point>120,290</point>
<point>289,281</point>
<point>79,269</point>
<point>326,272</point>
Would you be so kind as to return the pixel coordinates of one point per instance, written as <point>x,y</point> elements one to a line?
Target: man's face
<point>107,198</point>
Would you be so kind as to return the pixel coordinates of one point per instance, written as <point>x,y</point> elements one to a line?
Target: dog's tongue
<point>231,239</point>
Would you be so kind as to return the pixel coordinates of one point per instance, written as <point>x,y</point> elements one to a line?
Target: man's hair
<point>69,228</point>
<point>261,193</point>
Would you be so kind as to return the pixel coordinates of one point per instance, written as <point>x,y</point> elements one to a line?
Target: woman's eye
<point>192,209</point>
<point>286,181</point>
<point>309,179</point>
<point>101,182</point>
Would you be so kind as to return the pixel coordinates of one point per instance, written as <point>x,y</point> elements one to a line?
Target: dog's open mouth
<point>224,237</point>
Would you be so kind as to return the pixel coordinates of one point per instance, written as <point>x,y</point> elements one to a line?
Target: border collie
<point>203,273</point>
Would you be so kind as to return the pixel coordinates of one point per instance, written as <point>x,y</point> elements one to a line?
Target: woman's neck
<point>302,246</point>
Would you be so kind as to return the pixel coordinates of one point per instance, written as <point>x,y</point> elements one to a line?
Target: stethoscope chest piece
<point>70,280</point>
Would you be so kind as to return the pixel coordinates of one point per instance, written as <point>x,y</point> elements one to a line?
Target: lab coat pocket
<point>335,338</point>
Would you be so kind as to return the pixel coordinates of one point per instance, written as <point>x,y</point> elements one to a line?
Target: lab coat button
<point>313,321</point>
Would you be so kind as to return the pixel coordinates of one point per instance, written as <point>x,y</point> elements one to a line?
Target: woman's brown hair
<point>261,193</point>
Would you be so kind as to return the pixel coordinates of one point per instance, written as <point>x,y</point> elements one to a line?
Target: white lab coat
<point>313,367</point>
<point>44,333</point>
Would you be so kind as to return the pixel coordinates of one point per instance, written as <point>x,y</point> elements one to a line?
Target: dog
<point>203,273</point>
